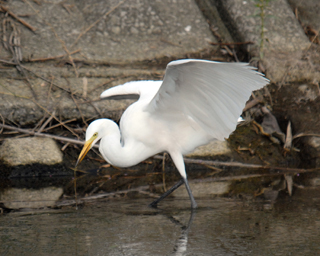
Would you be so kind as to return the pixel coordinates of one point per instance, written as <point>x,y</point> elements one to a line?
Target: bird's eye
<point>95,134</point>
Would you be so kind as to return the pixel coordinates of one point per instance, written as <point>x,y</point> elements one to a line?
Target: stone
<point>307,93</point>
<point>214,148</point>
<point>31,150</point>
<point>204,189</point>
<point>312,146</point>
<point>21,198</point>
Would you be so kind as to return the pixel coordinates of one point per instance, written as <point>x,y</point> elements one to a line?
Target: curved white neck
<point>129,153</point>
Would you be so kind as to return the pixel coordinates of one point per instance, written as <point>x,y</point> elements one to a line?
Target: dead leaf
<point>288,143</point>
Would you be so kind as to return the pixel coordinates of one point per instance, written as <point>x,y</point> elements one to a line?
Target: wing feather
<point>142,90</point>
<point>211,93</point>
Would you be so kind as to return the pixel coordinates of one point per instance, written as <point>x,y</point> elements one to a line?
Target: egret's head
<point>93,134</point>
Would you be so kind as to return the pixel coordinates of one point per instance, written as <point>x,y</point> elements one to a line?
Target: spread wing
<point>213,94</point>
<point>142,90</point>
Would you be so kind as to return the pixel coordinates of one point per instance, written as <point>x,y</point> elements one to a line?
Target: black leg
<point>165,194</point>
<point>193,202</point>
<point>173,188</point>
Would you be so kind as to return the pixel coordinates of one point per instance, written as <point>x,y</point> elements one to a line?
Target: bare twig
<point>51,114</point>
<point>141,189</point>
<point>252,103</point>
<point>45,116</point>
<point>94,23</point>
<point>280,170</point>
<point>77,105</point>
<point>45,79</point>
<point>54,57</point>
<point>5,9</point>
<point>168,42</point>
<point>305,135</point>
<point>55,137</point>
<point>57,36</point>
<point>59,124</point>
<point>66,6</point>
<point>43,108</point>
<point>46,122</point>
<point>243,165</point>
<point>65,48</point>
<point>8,62</point>
<point>47,111</point>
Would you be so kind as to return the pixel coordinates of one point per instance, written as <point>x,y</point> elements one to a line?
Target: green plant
<point>262,5</point>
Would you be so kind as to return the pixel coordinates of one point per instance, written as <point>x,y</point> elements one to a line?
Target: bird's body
<point>198,101</point>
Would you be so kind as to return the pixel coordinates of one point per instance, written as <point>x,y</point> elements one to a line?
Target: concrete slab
<point>121,31</point>
<point>282,31</point>
<point>288,55</point>
<point>308,12</point>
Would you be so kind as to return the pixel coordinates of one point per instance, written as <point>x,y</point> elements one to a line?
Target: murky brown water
<point>221,226</point>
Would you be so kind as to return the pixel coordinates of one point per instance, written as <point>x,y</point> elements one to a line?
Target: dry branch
<point>243,165</point>
<point>56,35</point>
<point>5,9</point>
<point>55,137</point>
<point>94,23</point>
<point>54,57</point>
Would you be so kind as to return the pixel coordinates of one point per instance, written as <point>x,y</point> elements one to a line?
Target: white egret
<point>197,101</point>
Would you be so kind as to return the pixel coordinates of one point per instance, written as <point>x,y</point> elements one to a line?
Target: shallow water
<point>124,226</point>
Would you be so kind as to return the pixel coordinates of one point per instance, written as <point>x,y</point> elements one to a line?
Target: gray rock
<point>31,150</point>
<point>204,189</point>
<point>214,148</point>
<point>312,144</point>
<point>18,198</point>
<point>307,93</point>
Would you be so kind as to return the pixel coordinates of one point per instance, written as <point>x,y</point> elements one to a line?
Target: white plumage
<point>197,101</point>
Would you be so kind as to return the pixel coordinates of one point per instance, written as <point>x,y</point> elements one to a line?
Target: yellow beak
<point>85,149</point>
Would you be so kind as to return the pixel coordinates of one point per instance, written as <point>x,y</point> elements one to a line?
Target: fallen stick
<point>144,189</point>
<point>54,57</point>
<point>94,23</point>
<point>187,160</point>
<point>33,133</point>
<point>5,9</point>
<point>59,124</point>
<point>45,79</point>
<point>141,189</point>
<point>242,165</point>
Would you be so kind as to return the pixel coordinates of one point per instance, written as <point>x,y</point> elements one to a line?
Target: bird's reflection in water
<point>180,247</point>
